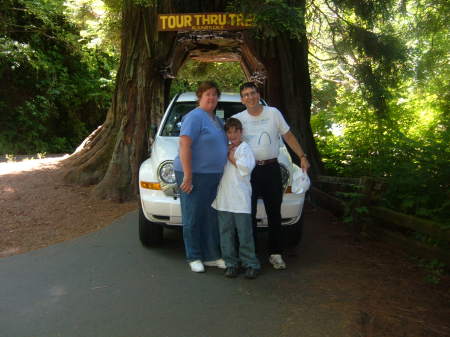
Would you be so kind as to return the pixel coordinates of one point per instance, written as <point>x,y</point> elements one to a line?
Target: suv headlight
<point>166,173</point>
<point>284,177</point>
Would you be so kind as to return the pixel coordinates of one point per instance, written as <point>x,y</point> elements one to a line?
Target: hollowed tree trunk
<point>111,155</point>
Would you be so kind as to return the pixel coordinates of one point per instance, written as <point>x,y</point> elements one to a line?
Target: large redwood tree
<point>110,157</point>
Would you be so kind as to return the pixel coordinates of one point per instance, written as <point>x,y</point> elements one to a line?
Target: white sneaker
<point>277,261</point>
<point>197,266</point>
<point>220,263</point>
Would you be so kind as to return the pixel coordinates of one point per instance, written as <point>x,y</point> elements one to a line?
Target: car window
<point>172,124</point>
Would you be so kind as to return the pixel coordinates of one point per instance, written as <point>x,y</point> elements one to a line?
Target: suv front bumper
<point>160,208</point>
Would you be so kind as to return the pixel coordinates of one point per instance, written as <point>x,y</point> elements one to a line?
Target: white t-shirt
<point>263,132</point>
<point>235,191</point>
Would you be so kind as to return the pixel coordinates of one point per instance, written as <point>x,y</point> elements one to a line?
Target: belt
<point>266,162</point>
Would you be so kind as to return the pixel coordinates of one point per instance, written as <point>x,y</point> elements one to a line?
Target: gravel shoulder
<point>38,209</point>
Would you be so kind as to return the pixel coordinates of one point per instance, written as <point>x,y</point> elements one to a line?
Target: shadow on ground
<point>107,284</point>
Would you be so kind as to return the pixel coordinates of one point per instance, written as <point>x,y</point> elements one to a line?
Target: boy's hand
<point>231,151</point>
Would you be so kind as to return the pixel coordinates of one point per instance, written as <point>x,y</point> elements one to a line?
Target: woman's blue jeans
<point>200,228</point>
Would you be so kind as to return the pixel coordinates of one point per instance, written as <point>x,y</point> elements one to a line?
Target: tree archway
<point>111,155</point>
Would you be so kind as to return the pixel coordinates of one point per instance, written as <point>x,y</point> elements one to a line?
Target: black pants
<point>266,184</point>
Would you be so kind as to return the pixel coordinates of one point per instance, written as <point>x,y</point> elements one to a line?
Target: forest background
<point>380,75</point>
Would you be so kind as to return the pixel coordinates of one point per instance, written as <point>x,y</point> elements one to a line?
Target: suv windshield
<point>172,124</point>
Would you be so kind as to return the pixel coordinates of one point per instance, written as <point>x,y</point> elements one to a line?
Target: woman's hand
<point>186,163</point>
<point>186,185</point>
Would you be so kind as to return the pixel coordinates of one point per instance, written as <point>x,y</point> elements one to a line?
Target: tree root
<point>90,167</point>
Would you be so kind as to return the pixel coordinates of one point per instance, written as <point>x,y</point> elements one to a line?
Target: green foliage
<point>368,11</point>
<point>54,89</point>
<point>381,94</point>
<point>354,211</point>
<point>416,167</point>
<point>99,23</point>
<point>228,76</point>
<point>349,31</point>
<point>273,17</point>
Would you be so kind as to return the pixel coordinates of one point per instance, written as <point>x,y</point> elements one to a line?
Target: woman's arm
<point>186,163</point>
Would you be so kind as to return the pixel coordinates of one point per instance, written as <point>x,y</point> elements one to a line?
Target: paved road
<point>107,284</point>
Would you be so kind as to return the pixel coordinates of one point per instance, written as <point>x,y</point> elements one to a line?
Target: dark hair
<point>204,86</point>
<point>247,85</point>
<point>233,123</point>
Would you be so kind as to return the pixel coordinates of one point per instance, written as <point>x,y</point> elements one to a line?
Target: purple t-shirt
<point>209,143</point>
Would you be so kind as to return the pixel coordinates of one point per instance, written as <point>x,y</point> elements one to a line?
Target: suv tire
<point>150,233</point>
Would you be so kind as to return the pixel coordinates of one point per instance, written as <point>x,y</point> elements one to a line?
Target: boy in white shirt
<point>233,203</point>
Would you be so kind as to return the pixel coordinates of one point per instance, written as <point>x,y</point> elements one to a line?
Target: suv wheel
<point>150,233</point>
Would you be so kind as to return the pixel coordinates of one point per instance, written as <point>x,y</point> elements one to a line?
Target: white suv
<point>159,199</point>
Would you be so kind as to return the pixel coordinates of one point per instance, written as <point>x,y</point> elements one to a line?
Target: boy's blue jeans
<point>231,224</point>
<point>200,229</point>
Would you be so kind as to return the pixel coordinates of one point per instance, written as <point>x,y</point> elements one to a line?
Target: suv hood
<point>164,148</point>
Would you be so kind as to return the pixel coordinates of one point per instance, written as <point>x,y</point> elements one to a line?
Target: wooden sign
<point>203,21</point>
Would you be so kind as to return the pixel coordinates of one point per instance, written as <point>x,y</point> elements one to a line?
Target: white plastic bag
<point>300,182</point>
